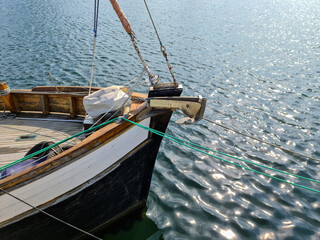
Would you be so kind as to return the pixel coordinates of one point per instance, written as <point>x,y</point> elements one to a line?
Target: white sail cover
<point>106,99</point>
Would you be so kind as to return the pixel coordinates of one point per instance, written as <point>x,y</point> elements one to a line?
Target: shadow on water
<point>135,226</point>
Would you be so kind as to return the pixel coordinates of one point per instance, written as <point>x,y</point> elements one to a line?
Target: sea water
<point>257,63</point>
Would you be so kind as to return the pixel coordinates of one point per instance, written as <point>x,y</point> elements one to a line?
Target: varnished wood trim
<point>96,139</point>
<point>48,102</point>
<point>64,89</point>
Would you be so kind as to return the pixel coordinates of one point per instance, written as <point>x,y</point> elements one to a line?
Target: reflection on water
<point>136,226</point>
<point>258,64</point>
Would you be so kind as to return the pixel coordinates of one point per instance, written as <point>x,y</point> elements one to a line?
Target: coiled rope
<point>5,92</point>
<point>174,139</point>
<point>193,146</point>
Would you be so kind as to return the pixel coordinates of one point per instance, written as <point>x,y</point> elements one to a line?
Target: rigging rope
<point>259,140</point>
<point>95,26</point>
<point>162,48</point>
<point>6,115</point>
<point>48,214</point>
<point>153,79</point>
<point>183,143</point>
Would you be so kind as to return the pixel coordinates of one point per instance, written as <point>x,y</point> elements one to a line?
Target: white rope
<point>6,115</point>
<point>5,92</point>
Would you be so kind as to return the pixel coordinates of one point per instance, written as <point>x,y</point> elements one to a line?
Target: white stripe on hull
<point>71,176</point>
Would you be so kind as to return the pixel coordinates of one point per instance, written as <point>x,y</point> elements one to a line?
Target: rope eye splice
<point>153,79</point>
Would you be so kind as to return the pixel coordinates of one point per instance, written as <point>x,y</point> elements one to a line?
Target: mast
<point>153,79</point>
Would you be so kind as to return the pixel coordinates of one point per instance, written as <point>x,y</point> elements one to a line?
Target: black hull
<point>114,195</point>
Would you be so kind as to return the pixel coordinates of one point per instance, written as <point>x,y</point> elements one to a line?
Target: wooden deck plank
<point>11,129</point>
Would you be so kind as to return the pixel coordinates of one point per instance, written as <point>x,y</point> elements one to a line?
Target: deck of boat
<point>13,146</point>
<point>59,110</point>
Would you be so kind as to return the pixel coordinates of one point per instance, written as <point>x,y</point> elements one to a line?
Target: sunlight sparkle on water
<point>227,234</point>
<point>218,195</point>
<point>237,212</point>
<point>298,203</point>
<point>218,176</point>
<point>266,236</point>
<point>287,224</point>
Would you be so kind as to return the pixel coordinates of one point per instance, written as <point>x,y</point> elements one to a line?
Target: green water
<point>135,226</point>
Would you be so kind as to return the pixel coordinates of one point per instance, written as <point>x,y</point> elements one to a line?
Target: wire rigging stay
<point>95,30</point>
<point>162,48</point>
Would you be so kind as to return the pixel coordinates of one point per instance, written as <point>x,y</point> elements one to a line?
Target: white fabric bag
<point>110,98</point>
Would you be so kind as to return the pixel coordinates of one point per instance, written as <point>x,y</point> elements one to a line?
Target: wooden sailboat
<point>91,182</point>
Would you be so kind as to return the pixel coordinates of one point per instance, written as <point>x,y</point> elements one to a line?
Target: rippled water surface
<point>258,64</point>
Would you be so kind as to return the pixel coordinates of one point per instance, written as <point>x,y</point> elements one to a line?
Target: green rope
<point>55,144</point>
<point>240,159</point>
<point>253,163</point>
<point>179,141</point>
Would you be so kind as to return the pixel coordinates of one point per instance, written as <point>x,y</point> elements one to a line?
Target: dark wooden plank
<point>59,104</point>
<point>16,103</point>
<point>79,106</point>
<point>27,102</point>
<point>8,101</point>
<point>44,105</point>
<point>73,112</point>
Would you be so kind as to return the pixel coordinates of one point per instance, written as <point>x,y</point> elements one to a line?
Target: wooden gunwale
<point>96,139</point>
<point>46,100</point>
<point>65,89</point>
